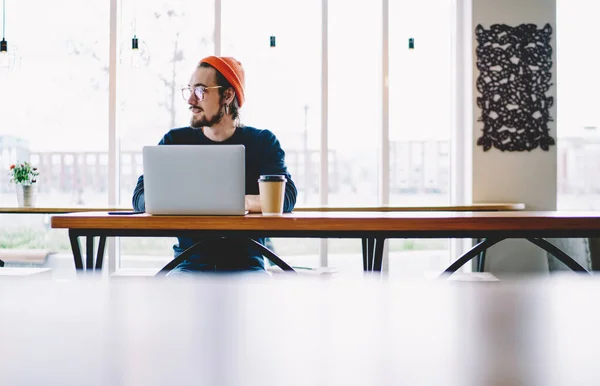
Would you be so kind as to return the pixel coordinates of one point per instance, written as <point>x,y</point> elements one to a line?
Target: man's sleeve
<point>273,162</point>
<point>138,202</point>
<point>138,196</point>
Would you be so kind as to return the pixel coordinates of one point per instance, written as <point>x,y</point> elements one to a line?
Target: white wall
<point>528,177</point>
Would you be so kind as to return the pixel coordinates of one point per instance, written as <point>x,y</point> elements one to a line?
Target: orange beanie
<point>232,70</point>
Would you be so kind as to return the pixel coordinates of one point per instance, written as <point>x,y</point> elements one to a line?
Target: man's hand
<point>253,203</point>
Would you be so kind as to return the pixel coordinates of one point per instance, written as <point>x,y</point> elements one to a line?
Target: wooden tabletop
<point>240,330</point>
<point>434,208</point>
<point>329,208</point>
<point>341,221</point>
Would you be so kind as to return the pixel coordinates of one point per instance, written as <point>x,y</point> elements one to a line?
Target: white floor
<point>415,264</point>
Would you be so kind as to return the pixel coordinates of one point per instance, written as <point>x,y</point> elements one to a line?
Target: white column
<point>528,177</point>
<point>384,161</point>
<point>324,185</point>
<point>462,96</point>
<point>218,27</point>
<point>113,144</point>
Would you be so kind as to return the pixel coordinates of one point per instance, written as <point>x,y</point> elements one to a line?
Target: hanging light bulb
<point>4,53</point>
<point>9,55</point>
<point>138,55</point>
<point>7,59</point>
<point>135,53</point>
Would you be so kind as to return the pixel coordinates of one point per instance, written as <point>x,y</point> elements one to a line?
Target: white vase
<point>26,195</point>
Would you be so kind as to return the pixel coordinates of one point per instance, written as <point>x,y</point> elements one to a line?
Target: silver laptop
<point>194,179</point>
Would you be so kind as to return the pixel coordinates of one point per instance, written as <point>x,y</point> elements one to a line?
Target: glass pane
<point>54,109</point>
<point>26,240</point>
<point>354,101</point>
<point>578,129</point>
<point>420,104</point>
<point>283,90</point>
<point>172,38</point>
<point>420,122</point>
<point>354,114</point>
<point>53,130</point>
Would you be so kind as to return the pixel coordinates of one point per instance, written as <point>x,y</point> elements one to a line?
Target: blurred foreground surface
<point>255,330</point>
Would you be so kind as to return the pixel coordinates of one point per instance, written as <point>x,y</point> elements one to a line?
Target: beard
<point>205,121</point>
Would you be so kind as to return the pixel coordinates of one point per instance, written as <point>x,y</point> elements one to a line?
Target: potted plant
<point>24,176</point>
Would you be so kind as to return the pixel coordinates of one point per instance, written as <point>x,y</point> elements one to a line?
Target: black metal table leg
<point>74,239</point>
<point>270,255</point>
<point>378,254</point>
<point>482,246</point>
<point>540,242</point>
<point>100,255</point>
<point>481,267</point>
<point>89,252</point>
<point>251,242</point>
<point>370,253</point>
<point>480,264</point>
<point>560,255</point>
<point>179,259</point>
<point>365,254</point>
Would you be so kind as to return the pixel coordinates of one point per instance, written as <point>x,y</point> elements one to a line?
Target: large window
<point>65,130</point>
<point>149,102</point>
<point>420,122</point>
<point>54,103</point>
<point>171,42</point>
<point>54,108</point>
<point>354,116</point>
<point>283,90</point>
<point>578,120</point>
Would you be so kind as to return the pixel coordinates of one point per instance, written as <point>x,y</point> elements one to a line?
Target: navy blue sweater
<point>263,156</point>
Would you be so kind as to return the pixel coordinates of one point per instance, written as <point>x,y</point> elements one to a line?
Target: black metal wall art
<point>514,66</point>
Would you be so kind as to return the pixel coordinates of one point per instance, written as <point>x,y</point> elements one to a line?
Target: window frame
<point>459,149</point>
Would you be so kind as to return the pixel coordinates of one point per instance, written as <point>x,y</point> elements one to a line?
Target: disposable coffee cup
<point>272,194</point>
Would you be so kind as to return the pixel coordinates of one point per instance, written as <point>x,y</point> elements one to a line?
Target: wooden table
<point>368,243</point>
<point>491,227</point>
<point>246,331</point>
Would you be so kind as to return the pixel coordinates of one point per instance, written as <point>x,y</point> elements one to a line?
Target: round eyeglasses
<point>198,91</point>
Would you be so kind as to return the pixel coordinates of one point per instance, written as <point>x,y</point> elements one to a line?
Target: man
<point>215,94</point>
